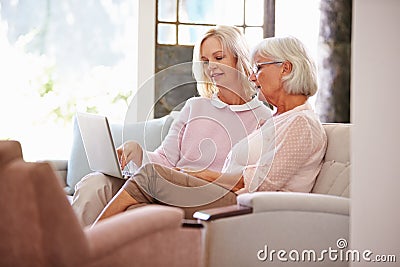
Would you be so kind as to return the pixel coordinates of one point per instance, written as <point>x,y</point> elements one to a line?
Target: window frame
<point>268,25</point>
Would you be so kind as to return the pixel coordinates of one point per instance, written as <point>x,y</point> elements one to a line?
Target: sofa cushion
<point>334,177</point>
<point>148,133</point>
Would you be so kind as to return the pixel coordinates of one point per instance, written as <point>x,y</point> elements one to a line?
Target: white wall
<point>141,106</point>
<point>375,102</point>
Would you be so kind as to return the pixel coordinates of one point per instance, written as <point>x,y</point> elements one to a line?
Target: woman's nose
<point>212,65</point>
<point>253,77</point>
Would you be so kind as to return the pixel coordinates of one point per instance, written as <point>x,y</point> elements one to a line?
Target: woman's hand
<point>130,151</point>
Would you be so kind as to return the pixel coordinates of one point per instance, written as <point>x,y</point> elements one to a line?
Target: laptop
<point>99,146</point>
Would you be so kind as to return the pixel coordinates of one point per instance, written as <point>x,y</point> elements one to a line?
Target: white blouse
<point>284,154</point>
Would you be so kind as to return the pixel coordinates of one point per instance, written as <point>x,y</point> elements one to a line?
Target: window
<point>59,57</point>
<point>181,22</point>
<point>289,21</point>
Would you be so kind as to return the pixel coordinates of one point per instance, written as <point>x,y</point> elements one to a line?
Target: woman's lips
<point>214,75</point>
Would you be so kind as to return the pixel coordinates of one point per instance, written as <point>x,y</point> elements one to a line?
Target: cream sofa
<point>234,235</point>
<point>245,234</point>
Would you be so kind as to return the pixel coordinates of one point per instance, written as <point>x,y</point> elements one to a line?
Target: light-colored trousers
<point>151,184</point>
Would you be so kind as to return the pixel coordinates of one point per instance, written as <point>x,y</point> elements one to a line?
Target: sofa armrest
<point>57,164</point>
<point>116,231</point>
<point>294,201</point>
<point>277,221</point>
<point>278,201</point>
<point>60,168</point>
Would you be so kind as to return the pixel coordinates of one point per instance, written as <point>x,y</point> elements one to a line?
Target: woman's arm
<point>119,203</point>
<point>229,181</point>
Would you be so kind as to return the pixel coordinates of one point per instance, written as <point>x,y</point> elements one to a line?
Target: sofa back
<point>334,177</point>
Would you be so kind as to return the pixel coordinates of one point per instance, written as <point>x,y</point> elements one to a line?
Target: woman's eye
<point>205,62</point>
<point>218,58</point>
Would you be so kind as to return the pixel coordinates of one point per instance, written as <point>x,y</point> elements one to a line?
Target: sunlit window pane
<point>189,34</point>
<point>166,34</point>
<point>211,11</point>
<point>253,35</point>
<point>254,12</point>
<point>57,60</point>
<point>288,22</point>
<point>167,10</point>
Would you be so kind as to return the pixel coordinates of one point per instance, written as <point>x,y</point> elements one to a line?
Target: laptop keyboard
<point>129,169</point>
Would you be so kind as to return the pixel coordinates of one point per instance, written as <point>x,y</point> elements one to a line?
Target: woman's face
<point>268,78</point>
<point>219,63</point>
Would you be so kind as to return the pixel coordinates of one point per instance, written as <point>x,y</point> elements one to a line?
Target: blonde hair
<point>233,40</point>
<point>303,78</point>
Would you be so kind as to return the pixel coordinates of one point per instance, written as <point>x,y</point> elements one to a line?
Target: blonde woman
<point>200,138</point>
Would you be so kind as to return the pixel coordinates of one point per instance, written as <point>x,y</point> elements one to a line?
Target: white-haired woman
<point>286,76</point>
<point>203,134</point>
<point>284,154</point>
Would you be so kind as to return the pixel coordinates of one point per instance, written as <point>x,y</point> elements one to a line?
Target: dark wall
<point>174,82</point>
<point>333,102</point>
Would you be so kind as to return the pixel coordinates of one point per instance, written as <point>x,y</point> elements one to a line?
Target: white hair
<point>303,78</point>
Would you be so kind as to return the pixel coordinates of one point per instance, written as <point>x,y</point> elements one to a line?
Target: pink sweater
<point>205,131</point>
